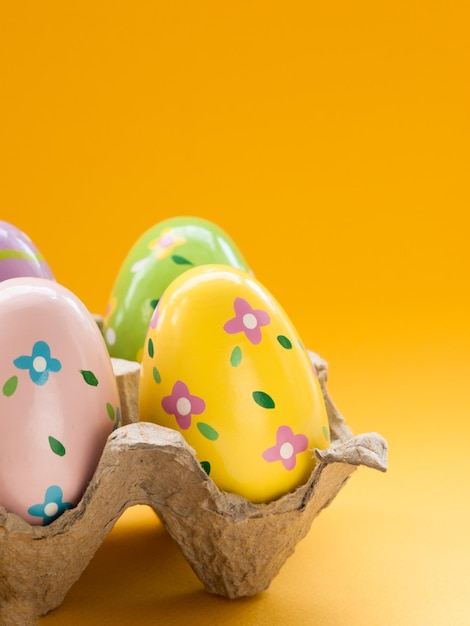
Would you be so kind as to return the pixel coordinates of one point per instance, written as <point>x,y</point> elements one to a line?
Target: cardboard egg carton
<point>235,547</point>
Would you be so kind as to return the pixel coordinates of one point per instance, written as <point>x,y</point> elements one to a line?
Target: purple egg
<point>19,256</point>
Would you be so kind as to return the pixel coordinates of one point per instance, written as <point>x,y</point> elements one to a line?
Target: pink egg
<point>19,256</point>
<point>59,399</point>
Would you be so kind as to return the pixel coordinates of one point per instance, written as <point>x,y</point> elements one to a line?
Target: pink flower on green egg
<point>182,404</point>
<point>288,445</point>
<point>110,308</point>
<point>247,320</point>
<point>165,243</point>
<point>108,331</point>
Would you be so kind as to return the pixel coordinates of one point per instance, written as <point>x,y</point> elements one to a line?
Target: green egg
<point>162,253</point>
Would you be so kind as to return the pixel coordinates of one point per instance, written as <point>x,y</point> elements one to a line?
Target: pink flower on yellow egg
<point>288,445</point>
<point>247,320</point>
<point>182,404</point>
<point>163,245</point>
<point>154,318</point>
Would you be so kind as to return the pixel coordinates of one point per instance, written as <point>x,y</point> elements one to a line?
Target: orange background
<point>331,142</point>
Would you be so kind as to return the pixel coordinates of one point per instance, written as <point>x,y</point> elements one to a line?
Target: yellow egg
<point>224,365</point>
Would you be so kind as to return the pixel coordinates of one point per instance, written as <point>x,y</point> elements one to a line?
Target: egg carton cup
<point>235,547</point>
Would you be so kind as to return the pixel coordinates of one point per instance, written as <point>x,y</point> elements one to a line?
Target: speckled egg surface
<point>223,364</point>
<point>19,256</point>
<point>162,253</point>
<point>58,401</point>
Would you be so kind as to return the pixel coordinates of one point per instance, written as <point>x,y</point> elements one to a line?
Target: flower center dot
<point>183,406</point>
<point>111,336</point>
<point>165,241</point>
<point>39,364</point>
<point>286,450</point>
<point>51,509</point>
<point>250,321</point>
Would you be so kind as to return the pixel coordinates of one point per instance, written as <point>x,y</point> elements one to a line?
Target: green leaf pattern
<point>263,399</point>
<point>56,446</point>
<point>207,431</point>
<point>9,387</point>
<point>180,260</point>
<point>89,378</point>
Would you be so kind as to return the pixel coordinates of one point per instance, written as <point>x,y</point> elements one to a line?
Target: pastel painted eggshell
<point>162,253</point>
<point>58,398</point>
<point>19,256</point>
<point>223,364</point>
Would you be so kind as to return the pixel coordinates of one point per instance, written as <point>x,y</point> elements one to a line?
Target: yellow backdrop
<point>331,142</point>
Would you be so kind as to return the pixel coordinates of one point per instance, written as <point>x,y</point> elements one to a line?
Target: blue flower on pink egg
<point>40,364</point>
<point>247,320</point>
<point>52,507</point>
<point>288,445</point>
<point>182,404</point>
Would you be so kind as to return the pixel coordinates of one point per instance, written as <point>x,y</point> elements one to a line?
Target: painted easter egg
<point>19,256</point>
<point>59,399</point>
<point>160,255</point>
<point>224,365</point>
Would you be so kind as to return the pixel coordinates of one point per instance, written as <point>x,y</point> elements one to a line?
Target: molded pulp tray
<point>235,547</point>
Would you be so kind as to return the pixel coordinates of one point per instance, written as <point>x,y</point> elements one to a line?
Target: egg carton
<point>235,547</point>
